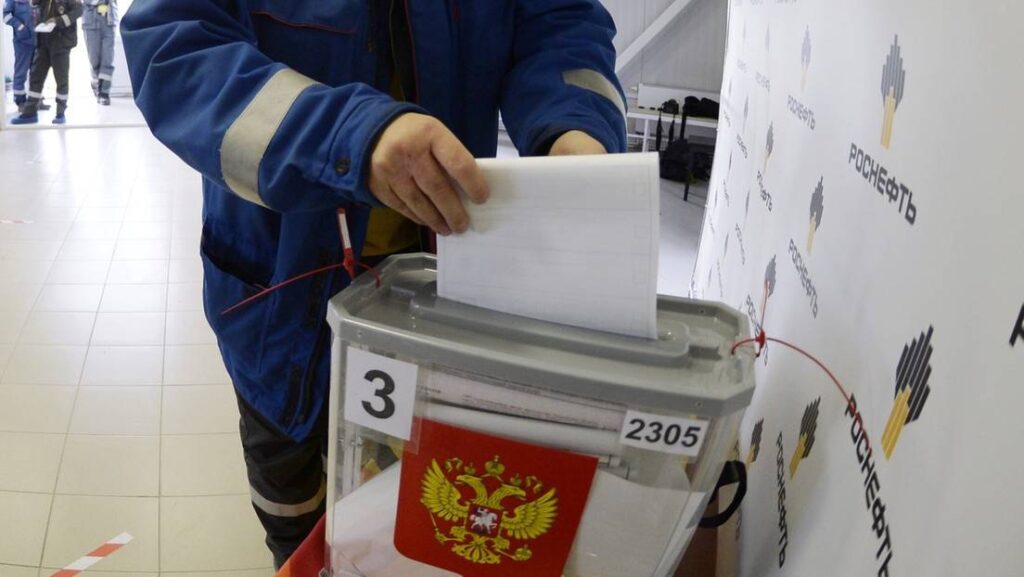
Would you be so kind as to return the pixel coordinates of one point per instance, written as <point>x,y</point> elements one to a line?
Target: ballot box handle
<point>733,472</point>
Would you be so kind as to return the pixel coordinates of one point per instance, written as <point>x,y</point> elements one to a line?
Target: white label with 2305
<point>662,433</point>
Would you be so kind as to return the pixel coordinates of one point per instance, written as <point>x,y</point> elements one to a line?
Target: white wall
<point>689,54</point>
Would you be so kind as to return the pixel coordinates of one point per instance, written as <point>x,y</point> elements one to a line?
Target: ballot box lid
<point>689,368</point>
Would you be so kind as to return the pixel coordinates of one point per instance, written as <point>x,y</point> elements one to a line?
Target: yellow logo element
<point>808,426</point>
<point>482,529</point>
<point>912,390</point>
<point>893,79</point>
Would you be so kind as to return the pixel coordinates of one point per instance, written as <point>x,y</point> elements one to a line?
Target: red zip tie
<point>281,285</point>
<point>762,338</point>
<point>349,263</point>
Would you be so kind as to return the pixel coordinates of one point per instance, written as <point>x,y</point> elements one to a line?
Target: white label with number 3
<point>665,434</point>
<point>380,393</point>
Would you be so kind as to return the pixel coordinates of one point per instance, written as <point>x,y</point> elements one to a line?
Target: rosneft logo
<point>755,442</point>
<point>912,389</point>
<point>769,145</point>
<point>805,58</point>
<point>817,209</point>
<point>769,279</point>
<point>804,444</point>
<point>893,80</point>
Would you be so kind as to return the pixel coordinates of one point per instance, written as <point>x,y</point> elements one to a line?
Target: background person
<point>99,23</point>
<point>53,50</point>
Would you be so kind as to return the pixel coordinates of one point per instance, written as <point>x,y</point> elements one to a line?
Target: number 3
<point>384,393</point>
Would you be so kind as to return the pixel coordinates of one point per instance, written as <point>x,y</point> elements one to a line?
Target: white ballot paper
<point>46,27</point>
<point>606,545</point>
<point>567,239</point>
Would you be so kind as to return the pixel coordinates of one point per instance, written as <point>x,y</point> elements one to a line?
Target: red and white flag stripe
<point>6,221</point>
<point>94,556</point>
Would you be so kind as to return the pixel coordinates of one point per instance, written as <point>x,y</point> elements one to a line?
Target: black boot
<point>61,107</point>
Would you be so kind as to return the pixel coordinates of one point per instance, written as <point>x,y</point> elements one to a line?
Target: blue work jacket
<point>275,103</point>
<point>19,15</point>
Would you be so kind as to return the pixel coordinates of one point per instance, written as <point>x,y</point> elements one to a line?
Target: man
<point>53,49</point>
<point>99,24</point>
<point>291,110</point>
<point>18,14</point>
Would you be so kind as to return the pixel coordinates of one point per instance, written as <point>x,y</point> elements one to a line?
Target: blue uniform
<point>18,14</point>
<point>278,105</point>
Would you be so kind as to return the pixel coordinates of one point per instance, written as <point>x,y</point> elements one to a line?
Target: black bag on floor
<point>675,161</point>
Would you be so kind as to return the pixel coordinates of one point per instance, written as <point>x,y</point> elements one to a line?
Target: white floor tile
<point>194,365</point>
<point>30,462</point>
<point>92,231</point>
<point>185,297</point>
<point>145,230</point>
<point>18,296</point>
<point>193,409</point>
<point>123,366</point>
<point>78,272</point>
<point>87,249</point>
<point>210,533</point>
<point>69,298</point>
<point>23,528</point>
<point>79,524</point>
<point>24,271</point>
<point>189,328</point>
<point>108,465</point>
<point>186,270</point>
<point>19,571</point>
<point>138,272</point>
<point>57,328</point>
<point>134,298</point>
<point>142,249</point>
<point>35,409</point>
<point>193,465</point>
<point>128,329</point>
<point>116,411</point>
<point>31,250</point>
<point>45,365</point>
<point>11,323</point>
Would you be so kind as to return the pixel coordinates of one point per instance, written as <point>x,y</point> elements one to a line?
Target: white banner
<point>866,186</point>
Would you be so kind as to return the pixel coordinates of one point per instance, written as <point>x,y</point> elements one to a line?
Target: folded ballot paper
<point>571,239</point>
<point>470,505</point>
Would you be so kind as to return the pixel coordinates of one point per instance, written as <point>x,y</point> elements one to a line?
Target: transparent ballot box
<point>469,442</point>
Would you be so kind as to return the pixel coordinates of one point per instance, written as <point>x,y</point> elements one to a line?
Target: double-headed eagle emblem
<point>484,527</point>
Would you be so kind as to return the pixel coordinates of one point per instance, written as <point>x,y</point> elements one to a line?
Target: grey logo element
<point>755,442</point>
<point>769,145</point>
<point>746,111</point>
<point>1018,330</point>
<point>808,427</point>
<point>894,78</point>
<point>805,57</point>
<point>746,208</point>
<point>817,208</point>
<point>769,279</point>
<point>912,390</point>
<point>767,38</point>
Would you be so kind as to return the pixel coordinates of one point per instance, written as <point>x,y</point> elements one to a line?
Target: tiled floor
<point>116,413</point>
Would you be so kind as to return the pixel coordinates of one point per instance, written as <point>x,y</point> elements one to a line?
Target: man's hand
<point>576,142</point>
<point>415,169</point>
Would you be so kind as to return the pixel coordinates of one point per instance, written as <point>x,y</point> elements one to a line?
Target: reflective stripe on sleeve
<point>248,138</point>
<point>597,83</point>
<point>67,21</point>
